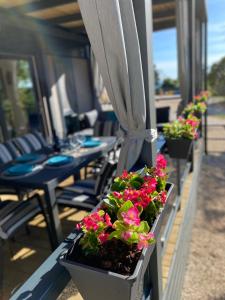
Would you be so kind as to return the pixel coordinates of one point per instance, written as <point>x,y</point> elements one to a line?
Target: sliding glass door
<point>19,108</point>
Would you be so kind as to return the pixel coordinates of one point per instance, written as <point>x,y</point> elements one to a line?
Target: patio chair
<point>31,142</point>
<point>8,153</point>
<point>85,193</point>
<point>15,214</point>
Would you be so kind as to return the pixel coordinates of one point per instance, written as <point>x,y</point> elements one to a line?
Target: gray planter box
<point>97,284</point>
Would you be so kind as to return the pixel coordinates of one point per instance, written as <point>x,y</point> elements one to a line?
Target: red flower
<point>117,195</point>
<point>161,162</point>
<point>124,175</point>
<point>131,217</point>
<point>108,220</point>
<point>163,197</point>
<point>103,237</point>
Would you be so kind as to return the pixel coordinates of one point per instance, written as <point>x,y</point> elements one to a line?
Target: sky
<point>165,48</point>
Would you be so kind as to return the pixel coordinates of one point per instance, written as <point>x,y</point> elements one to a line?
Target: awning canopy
<point>66,13</point>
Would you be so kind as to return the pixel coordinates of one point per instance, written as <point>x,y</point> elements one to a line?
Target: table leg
<point>55,229</point>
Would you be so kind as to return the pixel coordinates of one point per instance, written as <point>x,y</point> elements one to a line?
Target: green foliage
<point>216,78</point>
<point>170,84</point>
<point>177,130</point>
<point>194,108</point>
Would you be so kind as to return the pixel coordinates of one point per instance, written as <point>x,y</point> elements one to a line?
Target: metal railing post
<point>155,271</point>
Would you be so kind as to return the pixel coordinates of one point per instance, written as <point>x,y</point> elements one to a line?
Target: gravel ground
<point>205,274</point>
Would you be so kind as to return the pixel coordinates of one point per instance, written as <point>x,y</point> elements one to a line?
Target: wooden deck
<point>21,257</point>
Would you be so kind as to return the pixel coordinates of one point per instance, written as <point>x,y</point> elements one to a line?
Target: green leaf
<point>110,202</point>
<point>114,234</point>
<point>143,227</point>
<point>134,238</point>
<point>119,225</point>
<point>135,184</point>
<point>124,208</point>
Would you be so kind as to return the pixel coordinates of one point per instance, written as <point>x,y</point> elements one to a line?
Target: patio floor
<point>206,265</point>
<point>205,274</point>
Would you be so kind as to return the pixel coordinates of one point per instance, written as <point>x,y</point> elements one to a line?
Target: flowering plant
<point>202,97</point>
<point>194,108</point>
<point>128,211</point>
<point>182,128</point>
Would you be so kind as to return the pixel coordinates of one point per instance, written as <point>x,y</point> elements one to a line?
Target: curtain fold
<point>112,31</point>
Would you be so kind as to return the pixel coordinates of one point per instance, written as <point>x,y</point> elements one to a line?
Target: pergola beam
<point>41,26</point>
<point>159,2</point>
<point>164,24</point>
<point>164,14</point>
<point>40,5</point>
<point>65,19</point>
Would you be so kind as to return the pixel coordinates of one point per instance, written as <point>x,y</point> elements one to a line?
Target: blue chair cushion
<point>28,157</point>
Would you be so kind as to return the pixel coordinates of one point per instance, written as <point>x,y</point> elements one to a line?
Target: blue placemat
<point>20,169</point>
<point>89,143</point>
<point>59,160</point>
<point>28,157</point>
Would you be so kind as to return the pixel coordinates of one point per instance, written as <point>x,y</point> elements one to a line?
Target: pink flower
<point>197,97</point>
<point>90,224</point>
<point>193,123</point>
<point>163,197</point>
<point>161,162</point>
<point>126,235</point>
<point>150,184</point>
<point>108,220</point>
<point>117,195</point>
<point>78,226</point>
<point>160,173</point>
<point>124,175</point>
<point>196,135</point>
<point>103,237</point>
<point>180,119</point>
<point>144,240</point>
<point>131,217</point>
<point>130,194</point>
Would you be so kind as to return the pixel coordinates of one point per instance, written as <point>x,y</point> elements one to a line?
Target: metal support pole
<point>155,272</point>
<point>143,16</point>
<point>206,54</point>
<point>191,157</point>
<point>178,177</point>
<point>206,132</point>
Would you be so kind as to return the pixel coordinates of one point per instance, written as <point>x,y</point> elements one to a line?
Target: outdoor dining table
<point>48,178</point>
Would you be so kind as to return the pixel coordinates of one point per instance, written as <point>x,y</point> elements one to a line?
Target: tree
<point>156,73</point>
<point>216,78</point>
<point>170,84</point>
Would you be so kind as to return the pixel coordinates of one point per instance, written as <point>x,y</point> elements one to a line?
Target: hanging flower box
<point>195,109</point>
<point>180,135</point>
<point>202,97</point>
<point>109,258</point>
<point>179,148</point>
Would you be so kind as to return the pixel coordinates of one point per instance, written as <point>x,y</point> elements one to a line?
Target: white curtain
<point>112,32</point>
<point>97,81</point>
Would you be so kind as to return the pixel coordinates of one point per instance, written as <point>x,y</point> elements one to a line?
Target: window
<point>19,112</point>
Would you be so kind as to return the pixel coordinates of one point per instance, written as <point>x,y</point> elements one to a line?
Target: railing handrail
<point>49,280</point>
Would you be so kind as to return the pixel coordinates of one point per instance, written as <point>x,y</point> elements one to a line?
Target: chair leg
<point>44,212</point>
<point>11,248</point>
<point>27,228</point>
